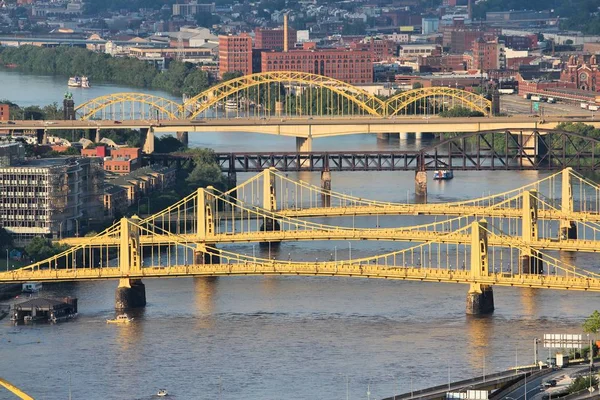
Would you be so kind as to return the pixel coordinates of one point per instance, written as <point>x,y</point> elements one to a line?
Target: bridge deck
<point>339,269</point>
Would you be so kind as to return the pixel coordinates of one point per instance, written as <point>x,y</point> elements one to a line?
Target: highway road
<point>534,387</point>
<point>515,105</point>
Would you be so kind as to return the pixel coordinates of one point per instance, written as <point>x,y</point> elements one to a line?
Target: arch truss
<point>281,94</point>
<point>129,106</point>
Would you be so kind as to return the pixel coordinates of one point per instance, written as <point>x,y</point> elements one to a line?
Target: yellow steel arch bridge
<point>290,94</point>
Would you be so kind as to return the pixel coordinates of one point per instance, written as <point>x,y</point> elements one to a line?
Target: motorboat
<point>121,319</point>
<point>162,393</point>
<point>74,81</point>
<point>85,82</point>
<point>443,175</point>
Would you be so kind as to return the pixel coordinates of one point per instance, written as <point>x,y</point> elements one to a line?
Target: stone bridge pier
<point>480,298</point>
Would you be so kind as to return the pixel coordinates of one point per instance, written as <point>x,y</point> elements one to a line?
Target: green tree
<point>227,76</point>
<point>167,144</point>
<point>40,248</point>
<point>6,240</point>
<point>195,82</point>
<point>582,383</point>
<point>592,323</point>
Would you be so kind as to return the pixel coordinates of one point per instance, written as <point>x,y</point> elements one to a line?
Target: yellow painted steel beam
<point>342,234</point>
<point>334,269</point>
<point>15,390</point>
<point>434,209</point>
<point>166,106</point>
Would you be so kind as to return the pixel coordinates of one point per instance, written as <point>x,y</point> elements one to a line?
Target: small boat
<point>85,82</point>
<point>121,319</point>
<point>443,175</point>
<point>162,393</point>
<point>74,81</point>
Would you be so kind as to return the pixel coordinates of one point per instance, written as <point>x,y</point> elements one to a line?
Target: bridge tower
<point>480,298</point>
<point>131,292</point>
<point>568,229</point>
<point>530,259</point>
<point>205,226</point>
<point>269,190</point>
<point>269,204</point>
<point>326,186</point>
<point>421,178</point>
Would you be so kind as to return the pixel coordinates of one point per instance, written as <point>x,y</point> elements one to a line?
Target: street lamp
<point>350,250</point>
<point>7,259</point>
<point>335,253</point>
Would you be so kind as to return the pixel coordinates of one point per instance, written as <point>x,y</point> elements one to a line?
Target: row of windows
<point>313,56</point>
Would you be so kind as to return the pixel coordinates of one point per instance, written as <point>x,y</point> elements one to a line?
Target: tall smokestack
<point>285,32</point>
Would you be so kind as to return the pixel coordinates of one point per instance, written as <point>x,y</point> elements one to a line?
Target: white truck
<point>506,91</point>
<point>593,107</point>
<point>584,105</point>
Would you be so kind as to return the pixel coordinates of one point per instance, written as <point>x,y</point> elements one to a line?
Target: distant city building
<point>382,49</point>
<point>192,8</point>
<point>488,55</point>
<point>583,73</point>
<point>235,54</point>
<point>352,66</point>
<point>272,39</point>
<point>430,25</point>
<point>302,36</point>
<point>48,197</point>
<point>415,50</point>
<point>517,15</point>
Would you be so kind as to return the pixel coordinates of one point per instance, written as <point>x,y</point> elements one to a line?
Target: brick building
<point>352,66</point>
<point>488,55</point>
<point>235,54</point>
<point>4,112</point>
<point>382,49</point>
<point>272,39</point>
<point>582,73</point>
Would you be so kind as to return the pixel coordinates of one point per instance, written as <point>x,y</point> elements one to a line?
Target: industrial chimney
<point>285,32</point>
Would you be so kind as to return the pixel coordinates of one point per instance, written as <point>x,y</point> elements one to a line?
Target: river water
<point>275,338</point>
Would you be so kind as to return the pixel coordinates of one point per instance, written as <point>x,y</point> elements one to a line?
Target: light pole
<point>69,372</point>
<point>60,229</point>
<point>350,250</point>
<point>335,253</point>
<point>7,259</point>
<point>253,251</point>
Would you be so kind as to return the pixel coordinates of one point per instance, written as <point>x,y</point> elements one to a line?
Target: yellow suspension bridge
<point>181,241</point>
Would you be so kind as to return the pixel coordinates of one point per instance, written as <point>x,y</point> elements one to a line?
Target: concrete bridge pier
<point>383,136</point>
<point>148,140</point>
<point>326,186</point>
<point>304,144</point>
<point>183,137</point>
<point>131,293</point>
<point>480,299</point>
<point>421,183</point>
<point>40,135</point>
